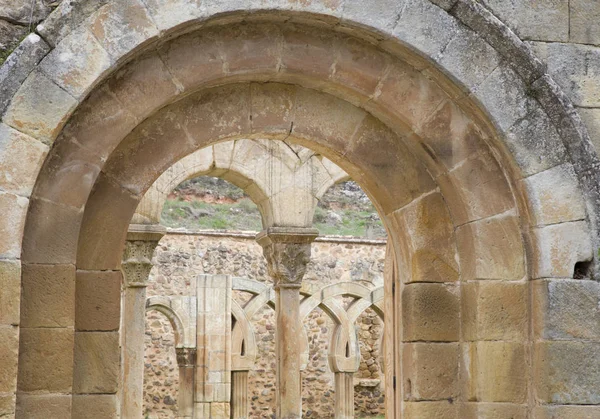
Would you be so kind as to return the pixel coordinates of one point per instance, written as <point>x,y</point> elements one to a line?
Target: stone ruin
<point>473,127</point>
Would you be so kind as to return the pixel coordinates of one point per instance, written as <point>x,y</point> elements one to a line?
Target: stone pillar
<point>239,394</point>
<point>136,266</point>
<point>213,364</point>
<point>186,360</point>
<point>287,251</point>
<point>344,395</point>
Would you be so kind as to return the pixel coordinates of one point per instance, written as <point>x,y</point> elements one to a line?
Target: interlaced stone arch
<point>181,314</point>
<point>242,163</point>
<point>555,240</point>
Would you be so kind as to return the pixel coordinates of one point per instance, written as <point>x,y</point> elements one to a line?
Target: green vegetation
<point>214,204</point>
<point>199,215</point>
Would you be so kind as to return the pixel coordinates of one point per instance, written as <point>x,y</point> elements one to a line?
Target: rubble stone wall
<point>181,257</point>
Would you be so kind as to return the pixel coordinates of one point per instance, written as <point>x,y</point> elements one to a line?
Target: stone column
<point>136,266</point>
<point>287,251</point>
<point>344,395</point>
<point>213,364</point>
<point>186,360</point>
<point>239,394</point>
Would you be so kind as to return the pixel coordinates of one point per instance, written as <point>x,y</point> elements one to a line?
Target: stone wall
<point>18,18</point>
<point>181,257</point>
<point>564,34</point>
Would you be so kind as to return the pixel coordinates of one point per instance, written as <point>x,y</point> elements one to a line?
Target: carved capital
<point>186,357</point>
<point>287,251</point>
<point>139,248</point>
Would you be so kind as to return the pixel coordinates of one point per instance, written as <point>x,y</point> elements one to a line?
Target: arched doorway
<point>448,165</point>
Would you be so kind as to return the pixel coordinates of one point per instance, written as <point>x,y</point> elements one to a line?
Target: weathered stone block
<point>10,297</point>
<point>566,309</point>
<point>88,125</point>
<point>14,210</point>
<point>425,27</point>
<point>20,160</point>
<point>359,66</point>
<point>468,59</point>
<point>378,149</point>
<point>575,68</point>
<point>97,362</point>
<point>7,405</point>
<point>44,406</point>
<point>591,118</point>
<point>567,372</point>
<point>46,360</point>
<point>430,371</point>
<point>432,238</point>
<point>143,86</point>
<point>583,18</point>
<point>430,312</point>
<point>534,142</point>
<point>68,174</point>
<point>503,95</point>
<point>495,310</point>
<point>498,368</point>
<point>259,51</point>
<point>566,412</point>
<point>492,411</point>
<point>18,65</point>
<point>491,249</point>
<point>421,410</point>
<point>24,12</point>
<point>272,109</point>
<point>476,189</point>
<point>382,15</point>
<point>39,108</point>
<point>543,21</point>
<point>94,406</point>
<point>9,353</point>
<point>410,95</point>
<point>171,13</point>
<point>66,18</point>
<point>122,26</point>
<point>451,136</point>
<point>326,119</point>
<point>194,59</point>
<point>560,247</point>
<point>307,53</point>
<point>105,228</point>
<point>87,62</point>
<point>97,300</point>
<point>554,196</point>
<point>52,233</point>
<point>48,293</point>
<point>219,410</point>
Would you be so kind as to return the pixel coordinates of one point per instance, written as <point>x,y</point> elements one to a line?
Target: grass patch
<point>199,215</point>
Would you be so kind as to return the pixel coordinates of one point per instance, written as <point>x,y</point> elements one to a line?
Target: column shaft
<point>287,251</point>
<point>186,359</point>
<point>136,266</point>
<point>287,347</point>
<point>132,342</point>
<point>239,395</point>
<point>344,395</point>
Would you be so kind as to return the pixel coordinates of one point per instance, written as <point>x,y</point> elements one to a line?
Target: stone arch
<point>437,101</point>
<point>243,341</point>
<point>178,313</point>
<point>239,162</point>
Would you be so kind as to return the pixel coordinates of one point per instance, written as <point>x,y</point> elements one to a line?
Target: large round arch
<point>482,175</point>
